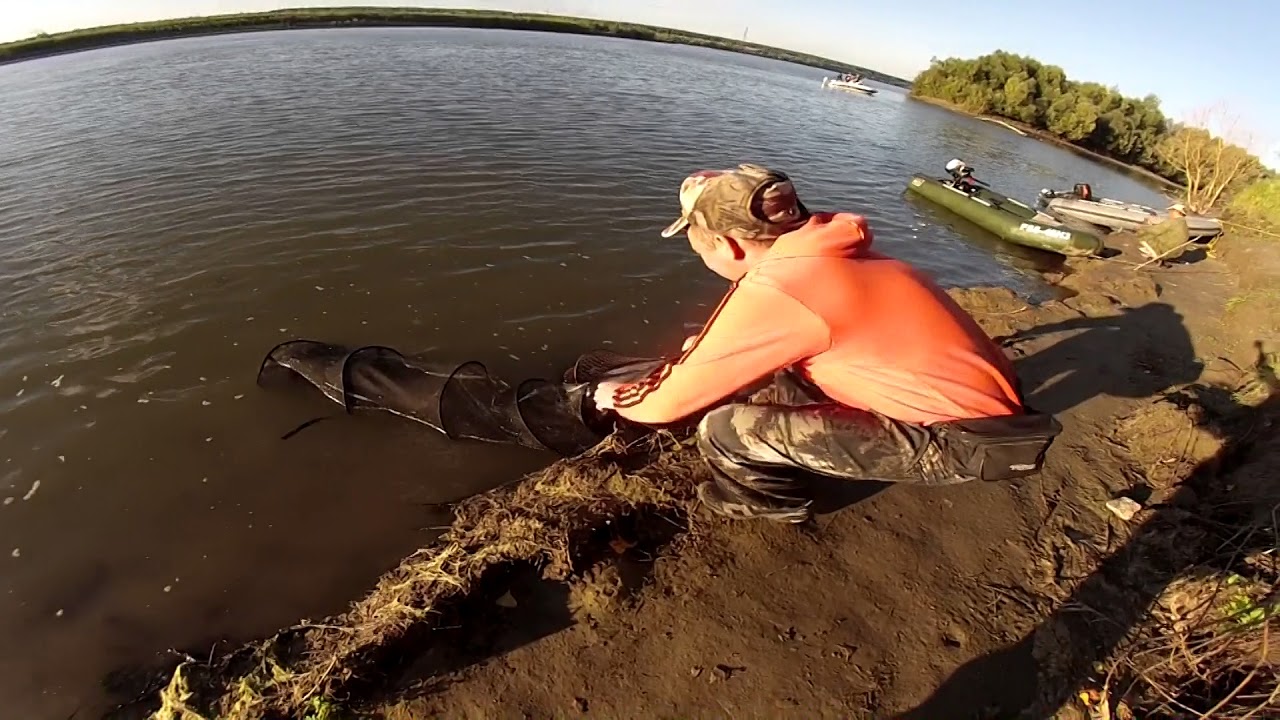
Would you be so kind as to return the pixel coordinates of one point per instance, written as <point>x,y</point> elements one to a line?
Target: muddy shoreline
<point>597,587</point>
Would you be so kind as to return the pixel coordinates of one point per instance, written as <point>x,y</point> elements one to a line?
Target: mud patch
<point>1210,644</point>
<point>552,523</point>
<point>1168,439</point>
<point>1179,611</point>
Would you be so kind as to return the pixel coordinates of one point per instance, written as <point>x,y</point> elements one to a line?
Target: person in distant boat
<point>962,175</point>
<point>824,358</point>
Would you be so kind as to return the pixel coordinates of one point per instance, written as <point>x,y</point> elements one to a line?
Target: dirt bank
<point>596,589</point>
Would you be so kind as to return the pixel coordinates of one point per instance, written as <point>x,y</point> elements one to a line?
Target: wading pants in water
<point>762,452</point>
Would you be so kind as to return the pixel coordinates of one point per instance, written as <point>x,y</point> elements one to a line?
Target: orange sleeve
<point>756,331</point>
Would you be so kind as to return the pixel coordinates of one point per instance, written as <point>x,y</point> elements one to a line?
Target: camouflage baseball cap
<point>748,202</point>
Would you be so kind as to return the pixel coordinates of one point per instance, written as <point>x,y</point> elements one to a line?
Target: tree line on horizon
<point>1086,114</point>
<point>88,38</point>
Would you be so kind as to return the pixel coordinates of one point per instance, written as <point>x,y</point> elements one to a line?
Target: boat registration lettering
<point>1047,232</point>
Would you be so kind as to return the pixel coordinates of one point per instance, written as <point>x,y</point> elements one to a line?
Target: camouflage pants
<point>763,452</point>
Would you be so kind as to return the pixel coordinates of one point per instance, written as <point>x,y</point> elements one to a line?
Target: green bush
<point>1257,205</point>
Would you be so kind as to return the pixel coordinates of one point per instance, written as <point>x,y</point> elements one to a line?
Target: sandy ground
<point>968,601</point>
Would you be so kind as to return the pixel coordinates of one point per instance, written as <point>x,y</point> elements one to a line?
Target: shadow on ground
<point>1139,353</point>
<point>1205,513</point>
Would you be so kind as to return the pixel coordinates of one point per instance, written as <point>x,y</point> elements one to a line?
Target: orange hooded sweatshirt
<point>870,331</point>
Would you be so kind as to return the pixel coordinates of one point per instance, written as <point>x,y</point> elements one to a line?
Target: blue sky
<point>1191,53</point>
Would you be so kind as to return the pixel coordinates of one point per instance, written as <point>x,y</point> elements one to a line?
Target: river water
<point>170,211</point>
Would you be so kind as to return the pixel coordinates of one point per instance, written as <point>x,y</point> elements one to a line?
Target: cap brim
<point>676,227</point>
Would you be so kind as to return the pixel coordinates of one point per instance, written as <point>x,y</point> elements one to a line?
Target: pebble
<point>1123,508</point>
<point>724,672</point>
<point>32,492</point>
<point>16,552</point>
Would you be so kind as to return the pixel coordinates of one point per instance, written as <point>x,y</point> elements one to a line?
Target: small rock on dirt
<point>1124,508</point>
<point>844,651</point>
<point>581,703</point>
<point>724,672</point>
<point>955,637</point>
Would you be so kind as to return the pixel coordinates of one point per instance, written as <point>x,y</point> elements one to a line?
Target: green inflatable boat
<point>1007,218</point>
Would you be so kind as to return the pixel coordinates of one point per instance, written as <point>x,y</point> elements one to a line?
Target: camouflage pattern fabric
<point>761,452</point>
<point>1166,236</point>
<point>749,202</point>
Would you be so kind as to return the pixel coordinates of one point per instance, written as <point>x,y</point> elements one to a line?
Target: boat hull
<point>849,87</point>
<point>1119,216</point>
<point>1008,219</point>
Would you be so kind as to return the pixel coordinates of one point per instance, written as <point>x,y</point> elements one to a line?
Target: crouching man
<point>877,374</point>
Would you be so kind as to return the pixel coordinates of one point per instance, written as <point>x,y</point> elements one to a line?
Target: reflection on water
<point>170,211</point>
<point>1023,258</point>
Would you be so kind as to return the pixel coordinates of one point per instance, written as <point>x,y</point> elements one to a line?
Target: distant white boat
<point>847,86</point>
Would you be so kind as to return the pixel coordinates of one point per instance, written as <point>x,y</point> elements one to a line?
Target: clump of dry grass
<point>1210,647</point>
<point>543,520</point>
<point>601,592</point>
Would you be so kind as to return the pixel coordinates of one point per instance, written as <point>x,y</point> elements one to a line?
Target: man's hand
<point>603,398</point>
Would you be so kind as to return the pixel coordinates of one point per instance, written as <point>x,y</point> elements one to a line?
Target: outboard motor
<point>961,175</point>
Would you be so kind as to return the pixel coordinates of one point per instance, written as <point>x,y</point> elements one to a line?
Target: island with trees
<point>52,44</point>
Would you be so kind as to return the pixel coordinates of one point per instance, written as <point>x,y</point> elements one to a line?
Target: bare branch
<point>1213,165</point>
